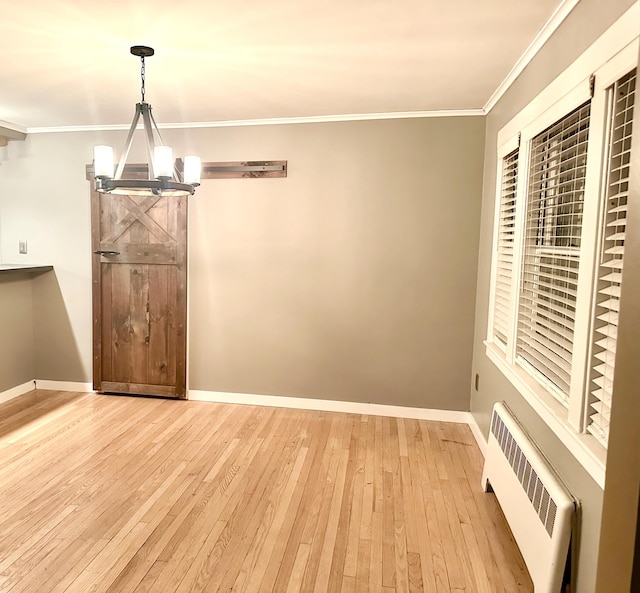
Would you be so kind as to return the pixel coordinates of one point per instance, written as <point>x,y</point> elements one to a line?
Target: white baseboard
<point>16,391</point>
<point>64,386</point>
<point>302,403</point>
<point>477,433</point>
<point>278,401</point>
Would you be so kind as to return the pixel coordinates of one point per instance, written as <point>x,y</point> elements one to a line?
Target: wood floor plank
<point>348,584</point>
<point>353,529</point>
<point>377,547</point>
<point>112,494</point>
<point>364,559</point>
<point>299,566</point>
<point>344,510</point>
<point>415,573</point>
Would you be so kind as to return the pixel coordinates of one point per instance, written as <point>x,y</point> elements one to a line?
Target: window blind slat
<point>545,282</point>
<point>610,318</point>
<point>557,340</point>
<point>603,396</point>
<point>613,277</point>
<point>611,304</point>
<point>608,329</point>
<point>618,222</point>
<point>614,264</point>
<point>549,298</point>
<point>611,290</point>
<point>547,363</point>
<point>555,313</point>
<point>622,207</point>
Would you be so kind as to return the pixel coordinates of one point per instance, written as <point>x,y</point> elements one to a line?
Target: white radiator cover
<point>537,506</point>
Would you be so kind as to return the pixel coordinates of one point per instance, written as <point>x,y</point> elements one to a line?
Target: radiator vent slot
<point>527,476</point>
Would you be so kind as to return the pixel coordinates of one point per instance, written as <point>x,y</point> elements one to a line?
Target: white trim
<point>548,29</point>
<point>14,127</point>
<point>561,106</point>
<point>16,391</point>
<point>615,39</point>
<point>64,386</point>
<point>278,121</point>
<point>477,435</point>
<point>303,403</point>
<point>585,448</point>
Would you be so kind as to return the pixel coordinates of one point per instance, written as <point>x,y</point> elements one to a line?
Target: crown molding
<point>272,122</point>
<point>9,131</point>
<point>14,127</point>
<point>548,29</point>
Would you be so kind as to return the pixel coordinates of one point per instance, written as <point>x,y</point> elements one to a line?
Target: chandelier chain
<point>142,73</point>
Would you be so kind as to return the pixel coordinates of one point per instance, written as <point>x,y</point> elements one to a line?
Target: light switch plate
<point>22,247</point>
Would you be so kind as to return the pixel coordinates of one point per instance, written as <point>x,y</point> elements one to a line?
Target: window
<point>553,229</point>
<point>558,261</point>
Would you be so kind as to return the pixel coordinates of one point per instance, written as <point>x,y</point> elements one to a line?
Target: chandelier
<point>164,177</point>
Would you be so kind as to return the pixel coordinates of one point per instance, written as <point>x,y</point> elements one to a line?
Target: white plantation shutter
<point>611,259</point>
<point>552,239</point>
<point>504,252</point>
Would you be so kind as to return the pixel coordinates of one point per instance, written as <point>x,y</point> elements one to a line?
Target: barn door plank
<point>159,304</point>
<point>158,324</point>
<point>120,325</point>
<point>179,207</point>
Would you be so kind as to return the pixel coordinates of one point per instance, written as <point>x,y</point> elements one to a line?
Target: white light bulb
<point>163,161</point>
<point>192,167</point>
<point>103,161</point>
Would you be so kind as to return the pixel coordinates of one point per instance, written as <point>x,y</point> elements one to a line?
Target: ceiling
<point>67,63</point>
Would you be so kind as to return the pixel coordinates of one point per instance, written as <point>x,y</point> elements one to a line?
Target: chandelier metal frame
<point>159,182</point>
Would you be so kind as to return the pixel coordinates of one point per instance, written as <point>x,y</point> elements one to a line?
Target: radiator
<point>536,504</point>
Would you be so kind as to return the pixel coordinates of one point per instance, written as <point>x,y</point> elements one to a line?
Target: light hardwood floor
<point>121,494</point>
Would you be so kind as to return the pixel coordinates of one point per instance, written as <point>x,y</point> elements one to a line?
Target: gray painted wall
<point>587,21</point>
<point>17,363</point>
<point>352,279</point>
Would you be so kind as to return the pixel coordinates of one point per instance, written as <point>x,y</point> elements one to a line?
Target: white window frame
<point>613,55</point>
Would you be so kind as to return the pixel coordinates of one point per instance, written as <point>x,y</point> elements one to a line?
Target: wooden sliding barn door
<point>139,249</point>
